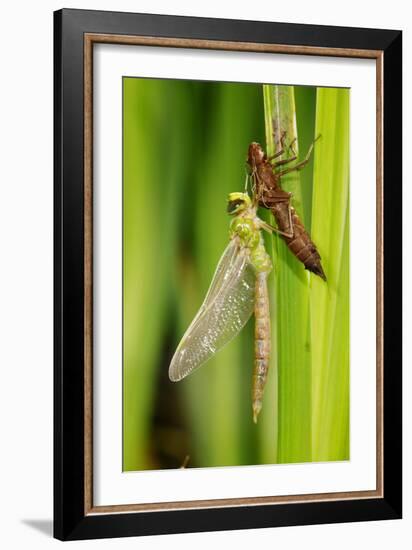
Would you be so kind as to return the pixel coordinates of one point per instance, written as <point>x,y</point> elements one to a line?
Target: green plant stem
<point>290,298</point>
<point>330,302</point>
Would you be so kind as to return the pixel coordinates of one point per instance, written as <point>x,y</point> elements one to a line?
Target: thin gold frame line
<point>379,274</point>
<point>88,275</point>
<point>89,40</point>
<point>231,502</point>
<point>229,45</point>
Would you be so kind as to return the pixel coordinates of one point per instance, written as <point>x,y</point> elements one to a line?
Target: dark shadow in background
<point>45,526</point>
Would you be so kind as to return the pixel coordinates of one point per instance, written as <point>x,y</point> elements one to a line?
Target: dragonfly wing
<point>222,272</point>
<point>227,307</point>
<point>220,277</point>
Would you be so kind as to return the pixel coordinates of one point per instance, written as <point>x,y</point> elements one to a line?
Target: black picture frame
<point>71,521</point>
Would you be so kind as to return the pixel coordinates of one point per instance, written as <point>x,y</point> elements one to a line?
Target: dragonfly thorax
<point>246,229</point>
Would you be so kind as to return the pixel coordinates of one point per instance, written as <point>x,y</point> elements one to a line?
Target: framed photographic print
<point>227,274</point>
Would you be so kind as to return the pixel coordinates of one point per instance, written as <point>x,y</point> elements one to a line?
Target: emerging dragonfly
<point>238,288</point>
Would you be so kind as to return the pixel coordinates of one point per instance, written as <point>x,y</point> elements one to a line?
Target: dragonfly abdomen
<point>262,342</point>
<point>303,247</point>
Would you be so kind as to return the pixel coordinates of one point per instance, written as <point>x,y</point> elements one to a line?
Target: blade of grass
<point>291,299</point>
<point>149,246</point>
<point>305,99</point>
<point>330,303</point>
<point>140,272</point>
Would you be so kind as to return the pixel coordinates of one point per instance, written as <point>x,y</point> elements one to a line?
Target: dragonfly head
<point>238,202</point>
<point>255,156</point>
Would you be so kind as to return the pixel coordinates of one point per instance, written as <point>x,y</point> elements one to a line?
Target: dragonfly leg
<point>274,196</point>
<point>303,163</point>
<point>284,161</point>
<point>270,229</point>
<point>248,177</point>
<point>290,159</point>
<point>276,155</point>
<point>282,148</point>
<point>292,148</point>
<point>256,195</point>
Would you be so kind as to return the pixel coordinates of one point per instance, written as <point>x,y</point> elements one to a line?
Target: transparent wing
<point>220,277</point>
<point>226,309</point>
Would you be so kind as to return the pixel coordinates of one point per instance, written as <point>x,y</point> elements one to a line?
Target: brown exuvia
<point>269,194</point>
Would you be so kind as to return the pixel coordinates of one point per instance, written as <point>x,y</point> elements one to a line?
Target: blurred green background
<point>185,147</point>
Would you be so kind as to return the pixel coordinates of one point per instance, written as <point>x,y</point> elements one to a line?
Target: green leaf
<point>290,298</point>
<point>330,303</point>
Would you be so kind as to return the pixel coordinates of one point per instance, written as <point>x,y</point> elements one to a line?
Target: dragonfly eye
<point>235,205</point>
